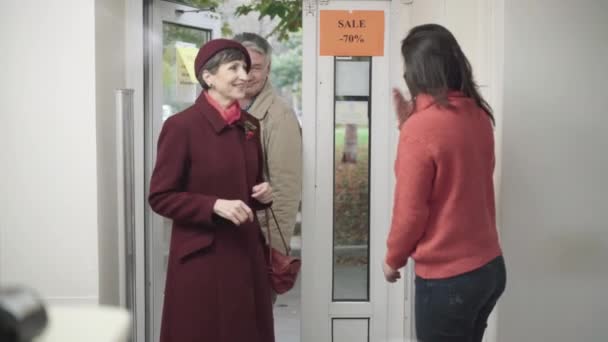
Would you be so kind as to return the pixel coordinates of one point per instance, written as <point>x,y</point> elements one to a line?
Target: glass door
<point>348,147</point>
<point>177,30</point>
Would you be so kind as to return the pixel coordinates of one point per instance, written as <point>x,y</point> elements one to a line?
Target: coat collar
<point>230,114</point>
<point>424,101</point>
<point>210,113</point>
<point>260,106</point>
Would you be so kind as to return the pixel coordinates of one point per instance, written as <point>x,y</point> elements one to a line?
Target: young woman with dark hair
<point>444,211</point>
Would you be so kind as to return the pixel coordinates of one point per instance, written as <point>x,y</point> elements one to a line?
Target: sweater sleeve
<point>415,172</point>
<point>167,196</point>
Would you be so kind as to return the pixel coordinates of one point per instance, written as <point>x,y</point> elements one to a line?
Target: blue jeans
<point>456,309</point>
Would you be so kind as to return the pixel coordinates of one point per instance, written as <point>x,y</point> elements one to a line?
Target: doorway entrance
<point>349,137</point>
<point>176,31</point>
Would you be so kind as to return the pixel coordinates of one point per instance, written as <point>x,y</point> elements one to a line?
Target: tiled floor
<point>287,315</point>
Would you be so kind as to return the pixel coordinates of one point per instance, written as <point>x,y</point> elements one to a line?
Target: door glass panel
<point>174,39</point>
<point>180,89</point>
<point>351,179</point>
<point>353,78</point>
<point>180,86</point>
<point>205,4</point>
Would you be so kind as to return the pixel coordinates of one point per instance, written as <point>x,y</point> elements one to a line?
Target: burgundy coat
<point>217,287</point>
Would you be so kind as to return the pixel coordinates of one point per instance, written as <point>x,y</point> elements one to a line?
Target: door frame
<point>317,306</point>
<point>400,319</point>
<point>160,12</point>
<point>135,79</point>
<point>137,60</point>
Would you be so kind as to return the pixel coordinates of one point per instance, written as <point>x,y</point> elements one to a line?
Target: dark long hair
<point>435,64</point>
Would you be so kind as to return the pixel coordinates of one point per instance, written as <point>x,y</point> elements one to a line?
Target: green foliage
<point>289,13</point>
<point>287,64</point>
<point>286,15</point>
<point>227,30</point>
<point>172,35</point>
<point>351,192</point>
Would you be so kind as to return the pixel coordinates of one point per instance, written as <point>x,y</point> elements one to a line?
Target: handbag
<point>283,269</point>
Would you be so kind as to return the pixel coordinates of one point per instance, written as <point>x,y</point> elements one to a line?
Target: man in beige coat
<point>281,140</point>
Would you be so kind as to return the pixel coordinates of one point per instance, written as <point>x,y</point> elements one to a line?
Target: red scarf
<point>230,114</point>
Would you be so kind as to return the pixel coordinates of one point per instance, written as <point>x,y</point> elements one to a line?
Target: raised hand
<point>403,107</point>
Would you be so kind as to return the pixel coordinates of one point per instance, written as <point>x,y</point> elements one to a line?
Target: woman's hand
<point>262,192</point>
<point>403,107</point>
<point>390,273</point>
<point>235,211</point>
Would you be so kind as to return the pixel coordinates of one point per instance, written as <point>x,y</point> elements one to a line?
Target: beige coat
<point>282,148</point>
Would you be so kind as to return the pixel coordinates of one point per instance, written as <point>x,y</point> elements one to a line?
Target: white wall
<point>110,75</point>
<point>554,218</point>
<point>48,177</point>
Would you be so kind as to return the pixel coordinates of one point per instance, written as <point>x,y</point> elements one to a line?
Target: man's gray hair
<point>255,42</point>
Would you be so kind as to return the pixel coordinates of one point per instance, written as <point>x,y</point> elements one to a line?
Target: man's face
<point>260,68</point>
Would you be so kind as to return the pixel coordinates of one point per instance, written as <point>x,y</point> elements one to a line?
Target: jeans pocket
<point>441,312</point>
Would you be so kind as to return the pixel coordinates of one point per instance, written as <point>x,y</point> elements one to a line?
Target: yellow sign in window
<point>185,65</point>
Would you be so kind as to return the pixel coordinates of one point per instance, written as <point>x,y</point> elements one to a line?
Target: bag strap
<point>267,174</point>
<point>287,249</point>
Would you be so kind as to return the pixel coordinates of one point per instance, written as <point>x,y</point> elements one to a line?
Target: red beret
<point>214,46</point>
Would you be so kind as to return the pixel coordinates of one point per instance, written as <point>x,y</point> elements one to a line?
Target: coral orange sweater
<point>444,212</point>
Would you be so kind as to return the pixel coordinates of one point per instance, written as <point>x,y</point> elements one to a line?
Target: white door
<point>344,228</point>
<point>349,136</point>
<point>177,31</point>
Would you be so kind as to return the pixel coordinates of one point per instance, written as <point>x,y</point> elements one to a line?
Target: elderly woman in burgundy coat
<point>208,180</point>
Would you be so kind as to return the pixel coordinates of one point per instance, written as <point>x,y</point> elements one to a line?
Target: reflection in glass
<point>180,87</point>
<point>351,182</point>
<point>203,4</point>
